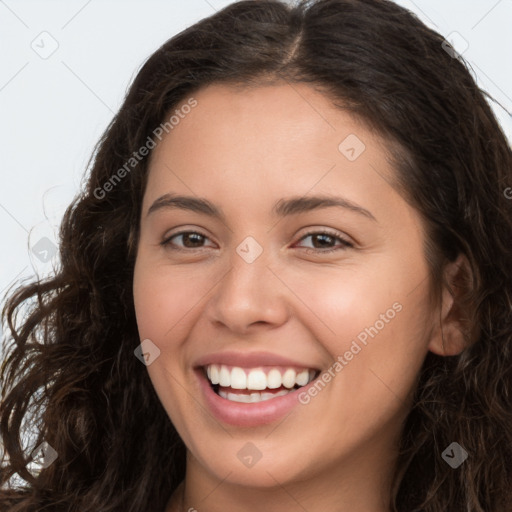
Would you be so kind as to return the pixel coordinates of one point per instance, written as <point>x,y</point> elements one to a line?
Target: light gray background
<point>55,107</point>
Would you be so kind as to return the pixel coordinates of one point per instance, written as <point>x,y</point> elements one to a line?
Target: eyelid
<point>167,239</point>
<point>327,231</point>
<point>346,243</point>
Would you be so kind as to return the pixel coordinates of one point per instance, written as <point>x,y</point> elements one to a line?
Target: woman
<point>196,352</point>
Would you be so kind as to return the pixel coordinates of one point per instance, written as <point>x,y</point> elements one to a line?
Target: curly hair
<point>70,368</point>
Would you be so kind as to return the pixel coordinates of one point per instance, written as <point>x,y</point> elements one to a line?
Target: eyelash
<point>345,244</point>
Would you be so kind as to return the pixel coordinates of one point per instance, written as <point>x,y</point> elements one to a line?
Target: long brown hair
<point>71,363</point>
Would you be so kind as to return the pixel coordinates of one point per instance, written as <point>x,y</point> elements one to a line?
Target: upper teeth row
<point>257,379</point>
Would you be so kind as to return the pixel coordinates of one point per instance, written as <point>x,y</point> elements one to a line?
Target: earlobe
<point>449,335</point>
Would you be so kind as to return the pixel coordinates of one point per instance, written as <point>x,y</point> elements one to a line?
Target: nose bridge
<point>250,250</point>
<point>248,292</point>
<point>249,274</point>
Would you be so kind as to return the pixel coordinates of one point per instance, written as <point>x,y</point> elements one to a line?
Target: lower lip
<point>248,414</point>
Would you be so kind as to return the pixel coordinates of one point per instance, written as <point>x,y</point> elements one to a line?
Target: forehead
<point>281,111</point>
<point>261,144</point>
<point>270,128</point>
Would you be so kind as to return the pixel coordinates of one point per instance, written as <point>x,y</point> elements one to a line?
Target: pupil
<point>323,237</point>
<point>187,236</point>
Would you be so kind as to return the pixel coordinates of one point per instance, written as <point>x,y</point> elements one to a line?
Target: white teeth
<point>214,373</point>
<point>238,379</point>
<point>234,397</point>
<point>289,378</point>
<point>256,379</point>
<point>302,378</point>
<point>274,380</point>
<point>224,377</point>
<point>253,397</point>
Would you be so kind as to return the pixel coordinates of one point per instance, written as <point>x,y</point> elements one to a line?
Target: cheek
<point>343,302</point>
<point>374,324</point>
<point>162,300</point>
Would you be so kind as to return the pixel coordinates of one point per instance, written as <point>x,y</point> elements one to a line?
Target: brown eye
<point>190,240</point>
<point>325,239</point>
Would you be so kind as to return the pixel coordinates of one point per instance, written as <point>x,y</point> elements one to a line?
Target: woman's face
<point>255,300</point>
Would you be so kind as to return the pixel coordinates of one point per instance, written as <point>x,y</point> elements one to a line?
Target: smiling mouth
<point>253,385</point>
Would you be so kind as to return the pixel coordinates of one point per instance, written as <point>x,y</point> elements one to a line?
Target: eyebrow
<point>282,208</point>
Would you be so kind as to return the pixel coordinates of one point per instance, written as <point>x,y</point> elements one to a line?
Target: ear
<point>448,336</point>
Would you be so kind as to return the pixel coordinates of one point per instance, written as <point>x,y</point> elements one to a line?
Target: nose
<point>250,294</point>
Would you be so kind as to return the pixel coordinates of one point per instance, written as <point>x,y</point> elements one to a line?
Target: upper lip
<point>249,360</point>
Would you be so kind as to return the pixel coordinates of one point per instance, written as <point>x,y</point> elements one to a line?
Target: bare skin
<point>243,151</point>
